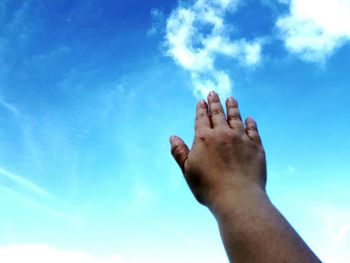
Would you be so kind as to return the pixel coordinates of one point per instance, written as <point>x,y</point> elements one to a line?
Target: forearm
<point>253,230</point>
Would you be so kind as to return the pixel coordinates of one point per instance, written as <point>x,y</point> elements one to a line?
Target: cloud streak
<point>197,36</point>
<point>314,29</point>
<point>27,184</point>
<point>32,195</point>
<point>10,107</point>
<point>335,228</point>
<point>42,253</point>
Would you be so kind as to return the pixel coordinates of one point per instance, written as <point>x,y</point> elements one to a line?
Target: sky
<point>91,91</point>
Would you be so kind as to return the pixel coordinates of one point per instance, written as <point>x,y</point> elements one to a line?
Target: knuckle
<point>256,146</point>
<point>228,135</point>
<point>216,111</point>
<point>234,116</point>
<point>203,136</point>
<point>176,150</point>
<point>252,130</point>
<point>234,111</point>
<point>237,137</point>
<point>200,115</point>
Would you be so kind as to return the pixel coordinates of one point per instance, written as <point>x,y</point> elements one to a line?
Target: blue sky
<point>90,92</point>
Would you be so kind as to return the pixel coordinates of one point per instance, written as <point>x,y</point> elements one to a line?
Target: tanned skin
<point>226,171</point>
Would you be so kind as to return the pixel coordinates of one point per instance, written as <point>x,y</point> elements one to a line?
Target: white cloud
<point>42,253</point>
<point>196,35</point>
<point>24,183</point>
<point>157,20</point>
<point>314,29</point>
<point>333,241</point>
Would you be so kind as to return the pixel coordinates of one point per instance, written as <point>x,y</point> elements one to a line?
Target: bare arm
<point>226,171</point>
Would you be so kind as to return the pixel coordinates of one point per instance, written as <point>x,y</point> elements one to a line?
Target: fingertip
<point>176,141</point>
<point>230,99</point>
<point>173,139</point>
<point>232,102</point>
<point>212,93</point>
<point>250,120</point>
<point>202,104</point>
<point>202,119</point>
<point>234,118</point>
<point>179,151</point>
<point>252,129</point>
<point>175,144</point>
<point>250,123</point>
<point>213,97</point>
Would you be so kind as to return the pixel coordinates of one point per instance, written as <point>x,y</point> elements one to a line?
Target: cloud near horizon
<point>314,30</point>
<point>196,35</point>
<point>43,253</point>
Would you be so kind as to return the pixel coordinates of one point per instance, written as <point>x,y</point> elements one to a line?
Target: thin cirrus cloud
<point>335,229</point>
<point>33,196</point>
<point>25,183</point>
<point>313,29</point>
<point>42,253</point>
<point>196,35</point>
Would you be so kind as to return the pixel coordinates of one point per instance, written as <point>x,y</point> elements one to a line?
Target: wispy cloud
<point>157,20</point>
<point>196,36</point>
<point>42,253</point>
<point>25,183</point>
<point>32,195</point>
<point>10,107</point>
<point>41,206</point>
<point>16,28</point>
<point>314,29</point>
<point>334,235</point>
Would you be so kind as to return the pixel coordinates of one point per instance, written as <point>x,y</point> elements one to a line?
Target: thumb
<point>180,151</point>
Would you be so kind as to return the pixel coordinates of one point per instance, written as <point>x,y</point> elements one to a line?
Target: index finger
<point>202,118</point>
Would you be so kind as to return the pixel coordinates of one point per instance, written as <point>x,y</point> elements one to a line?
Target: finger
<point>252,130</point>
<point>180,151</point>
<point>216,112</point>
<point>202,118</point>
<point>234,118</point>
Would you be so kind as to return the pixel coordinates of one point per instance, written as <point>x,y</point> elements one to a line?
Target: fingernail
<point>230,99</point>
<point>202,102</point>
<point>172,138</point>
<point>212,93</point>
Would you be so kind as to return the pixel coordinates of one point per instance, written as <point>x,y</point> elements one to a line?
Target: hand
<point>226,171</point>
<point>226,158</point>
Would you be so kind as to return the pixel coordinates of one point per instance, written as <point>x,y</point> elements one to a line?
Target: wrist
<point>231,203</point>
